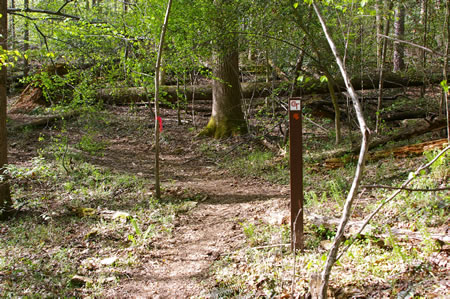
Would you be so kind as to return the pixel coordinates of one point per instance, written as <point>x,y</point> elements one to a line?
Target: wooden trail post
<point>296,169</point>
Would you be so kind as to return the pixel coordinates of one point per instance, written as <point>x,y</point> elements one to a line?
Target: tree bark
<point>444,73</point>
<point>13,27</point>
<point>337,112</point>
<point>5,195</point>
<point>331,259</point>
<point>26,40</point>
<point>381,68</point>
<point>424,23</point>
<point>379,27</point>
<point>399,31</point>
<point>227,118</point>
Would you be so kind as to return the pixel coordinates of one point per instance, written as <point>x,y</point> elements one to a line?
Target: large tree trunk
<point>399,31</point>
<point>5,196</point>
<point>444,73</point>
<point>227,117</point>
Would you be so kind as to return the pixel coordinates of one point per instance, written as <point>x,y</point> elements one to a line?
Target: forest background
<point>81,81</point>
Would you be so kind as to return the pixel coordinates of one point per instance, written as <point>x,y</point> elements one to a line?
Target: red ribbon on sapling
<point>160,124</point>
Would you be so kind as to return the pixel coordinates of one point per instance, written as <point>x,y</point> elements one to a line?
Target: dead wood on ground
<point>398,152</point>
<point>126,95</point>
<point>43,121</point>
<point>30,98</point>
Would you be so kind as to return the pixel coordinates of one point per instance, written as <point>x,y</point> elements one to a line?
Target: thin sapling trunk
<point>157,85</point>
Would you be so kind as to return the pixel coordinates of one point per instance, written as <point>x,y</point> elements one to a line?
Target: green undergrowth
<point>259,269</point>
<point>260,164</point>
<point>76,218</point>
<point>380,263</point>
<point>247,159</point>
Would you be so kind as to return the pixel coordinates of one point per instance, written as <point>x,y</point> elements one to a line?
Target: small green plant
<point>318,234</point>
<point>337,189</point>
<point>442,163</point>
<point>250,233</point>
<point>312,199</point>
<point>90,145</point>
<point>140,238</point>
<point>399,251</point>
<point>261,164</point>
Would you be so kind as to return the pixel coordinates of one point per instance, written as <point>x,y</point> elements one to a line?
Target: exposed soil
<point>177,267</point>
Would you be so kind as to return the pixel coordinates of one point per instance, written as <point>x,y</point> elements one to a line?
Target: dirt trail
<point>179,267</point>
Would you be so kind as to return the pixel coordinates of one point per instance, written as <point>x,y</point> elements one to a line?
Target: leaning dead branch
<point>331,259</point>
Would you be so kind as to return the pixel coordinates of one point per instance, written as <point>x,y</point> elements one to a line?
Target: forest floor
<point>89,226</point>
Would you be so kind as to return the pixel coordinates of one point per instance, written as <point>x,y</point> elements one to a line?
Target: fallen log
<point>41,122</point>
<point>30,99</point>
<point>257,89</point>
<point>399,152</point>
<point>170,94</point>
<point>405,133</point>
<point>408,132</point>
<point>401,115</point>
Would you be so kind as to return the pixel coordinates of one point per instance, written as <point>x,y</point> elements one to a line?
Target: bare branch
<point>383,203</point>
<point>21,15</point>
<point>64,5</point>
<point>412,44</point>
<point>406,189</point>
<point>42,11</point>
<point>45,41</point>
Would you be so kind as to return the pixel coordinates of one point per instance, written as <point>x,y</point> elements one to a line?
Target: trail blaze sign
<point>295,105</point>
<point>296,167</point>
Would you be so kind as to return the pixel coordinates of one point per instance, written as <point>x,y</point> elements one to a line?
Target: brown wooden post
<point>296,167</point>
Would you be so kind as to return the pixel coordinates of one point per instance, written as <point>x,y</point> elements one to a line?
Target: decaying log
<point>258,89</point>
<point>30,98</point>
<point>399,152</point>
<point>408,150</point>
<point>169,93</point>
<point>43,121</point>
<point>432,125</point>
<point>401,115</point>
